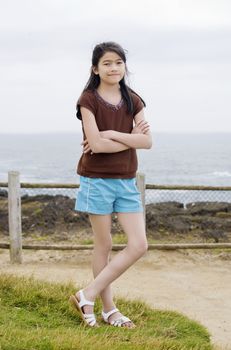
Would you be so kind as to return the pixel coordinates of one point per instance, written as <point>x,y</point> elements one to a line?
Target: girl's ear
<point>95,70</point>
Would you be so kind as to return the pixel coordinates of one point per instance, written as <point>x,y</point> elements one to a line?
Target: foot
<point>117,316</point>
<point>87,309</point>
<point>82,305</point>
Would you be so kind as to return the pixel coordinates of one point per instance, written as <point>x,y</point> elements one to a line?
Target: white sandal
<point>89,319</point>
<point>117,322</point>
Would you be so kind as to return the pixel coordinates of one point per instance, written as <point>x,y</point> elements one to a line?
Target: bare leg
<point>101,226</point>
<point>133,225</point>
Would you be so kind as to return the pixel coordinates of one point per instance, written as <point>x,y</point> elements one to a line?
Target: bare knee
<point>139,247</point>
<point>103,246</point>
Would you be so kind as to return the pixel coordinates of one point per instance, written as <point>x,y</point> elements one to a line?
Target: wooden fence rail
<point>164,246</point>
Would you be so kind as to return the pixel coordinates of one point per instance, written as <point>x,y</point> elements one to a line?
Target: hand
<point>142,127</point>
<point>86,147</point>
<point>107,134</point>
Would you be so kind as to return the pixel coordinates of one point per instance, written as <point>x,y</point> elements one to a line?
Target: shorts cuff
<point>93,212</point>
<point>126,210</point>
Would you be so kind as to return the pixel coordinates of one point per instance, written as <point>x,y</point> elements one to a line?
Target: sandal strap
<point>106,315</point>
<point>83,301</point>
<point>120,321</point>
<point>90,319</point>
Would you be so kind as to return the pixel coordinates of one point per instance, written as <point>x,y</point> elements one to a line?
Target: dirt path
<point>197,284</point>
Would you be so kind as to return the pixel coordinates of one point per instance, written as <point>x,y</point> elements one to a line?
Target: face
<point>111,68</point>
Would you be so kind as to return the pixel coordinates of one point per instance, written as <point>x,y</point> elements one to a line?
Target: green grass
<point>37,315</point>
<point>86,241</point>
<point>119,238</point>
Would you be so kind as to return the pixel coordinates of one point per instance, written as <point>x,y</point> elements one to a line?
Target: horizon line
<point>80,132</point>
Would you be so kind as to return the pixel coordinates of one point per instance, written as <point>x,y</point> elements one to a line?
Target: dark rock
<point>4,226</point>
<point>42,198</point>
<point>74,216</point>
<point>204,208</point>
<point>208,219</point>
<point>175,224</point>
<point>215,223</point>
<point>3,193</point>
<point>217,236</point>
<point>165,216</point>
<point>166,207</point>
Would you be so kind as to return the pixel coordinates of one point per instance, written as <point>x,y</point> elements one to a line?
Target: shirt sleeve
<point>138,104</point>
<point>86,100</point>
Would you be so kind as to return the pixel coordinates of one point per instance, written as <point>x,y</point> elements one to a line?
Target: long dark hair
<point>94,80</point>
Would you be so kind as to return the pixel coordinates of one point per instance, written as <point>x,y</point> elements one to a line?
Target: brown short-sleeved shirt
<point>109,117</point>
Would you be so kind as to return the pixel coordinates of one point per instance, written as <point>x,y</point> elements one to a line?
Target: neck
<point>108,88</point>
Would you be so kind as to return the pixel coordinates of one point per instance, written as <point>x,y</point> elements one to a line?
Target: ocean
<point>175,159</point>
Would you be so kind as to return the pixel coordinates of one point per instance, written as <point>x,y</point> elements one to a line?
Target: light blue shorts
<point>106,196</point>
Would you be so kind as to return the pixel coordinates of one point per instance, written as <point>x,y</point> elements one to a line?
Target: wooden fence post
<point>140,181</point>
<point>14,210</point>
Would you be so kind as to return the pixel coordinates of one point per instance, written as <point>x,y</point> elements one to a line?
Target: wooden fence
<point>15,227</point>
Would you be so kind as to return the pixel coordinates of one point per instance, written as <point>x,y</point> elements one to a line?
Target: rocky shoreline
<point>45,214</point>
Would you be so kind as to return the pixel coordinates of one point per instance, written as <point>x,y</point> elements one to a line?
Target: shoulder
<point>85,95</point>
<point>137,103</point>
<point>87,100</point>
<point>134,96</point>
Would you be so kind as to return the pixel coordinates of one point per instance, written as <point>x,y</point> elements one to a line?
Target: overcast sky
<point>179,56</point>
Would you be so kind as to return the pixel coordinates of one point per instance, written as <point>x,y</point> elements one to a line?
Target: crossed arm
<point>111,141</point>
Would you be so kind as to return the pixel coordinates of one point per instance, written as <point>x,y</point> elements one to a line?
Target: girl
<point>113,127</point>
